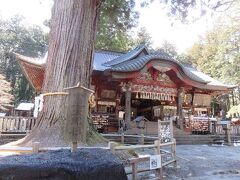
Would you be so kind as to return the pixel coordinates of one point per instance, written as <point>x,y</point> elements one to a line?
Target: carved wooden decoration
<point>152,88</point>
<point>154,77</point>
<point>188,98</point>
<point>109,94</point>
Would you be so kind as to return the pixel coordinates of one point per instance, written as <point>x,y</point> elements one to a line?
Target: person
<point>121,116</point>
<point>222,113</point>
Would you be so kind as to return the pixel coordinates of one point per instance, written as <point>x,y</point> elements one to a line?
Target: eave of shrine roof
<point>122,63</point>
<point>126,57</point>
<point>211,81</point>
<point>40,63</point>
<point>101,57</point>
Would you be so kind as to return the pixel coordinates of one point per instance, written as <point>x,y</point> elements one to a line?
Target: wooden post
<point>77,111</point>
<point>157,148</point>
<point>1,124</point>
<point>171,128</point>
<point>112,146</point>
<point>142,136</point>
<point>157,151</point>
<point>227,133</point>
<point>134,171</point>
<point>128,105</point>
<point>74,147</point>
<point>8,124</point>
<point>162,112</point>
<point>174,152</point>
<point>179,107</point>
<point>35,147</point>
<point>122,138</point>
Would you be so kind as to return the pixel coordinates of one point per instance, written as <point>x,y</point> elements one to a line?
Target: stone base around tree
<point>85,164</point>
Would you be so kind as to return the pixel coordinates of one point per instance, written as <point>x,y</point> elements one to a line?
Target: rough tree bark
<point>72,37</point>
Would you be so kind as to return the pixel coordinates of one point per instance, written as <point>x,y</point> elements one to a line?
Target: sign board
<point>155,162</point>
<point>202,99</point>
<point>76,114</point>
<point>107,103</point>
<point>165,131</point>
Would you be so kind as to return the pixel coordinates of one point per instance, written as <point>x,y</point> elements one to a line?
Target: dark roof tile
<point>139,63</point>
<point>125,57</point>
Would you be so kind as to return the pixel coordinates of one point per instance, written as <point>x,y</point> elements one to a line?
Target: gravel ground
<point>201,162</point>
<point>206,162</point>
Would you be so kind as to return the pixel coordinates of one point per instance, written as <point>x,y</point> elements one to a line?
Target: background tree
<point>182,9</point>
<point>171,51</point>
<point>30,41</point>
<point>70,52</point>
<point>168,48</point>
<point>117,18</point>
<point>218,55</point>
<point>5,94</point>
<point>143,37</point>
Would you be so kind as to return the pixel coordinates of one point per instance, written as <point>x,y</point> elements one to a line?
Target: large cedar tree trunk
<point>72,37</point>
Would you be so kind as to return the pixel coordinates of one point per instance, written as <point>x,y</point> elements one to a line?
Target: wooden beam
<point>35,147</point>
<point>179,107</point>
<point>128,95</point>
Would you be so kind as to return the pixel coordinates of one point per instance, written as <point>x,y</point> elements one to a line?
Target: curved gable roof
<point>132,61</point>
<point>138,63</point>
<point>101,57</point>
<point>128,56</point>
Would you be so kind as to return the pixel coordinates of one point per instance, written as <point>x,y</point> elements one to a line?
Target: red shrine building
<point>138,83</point>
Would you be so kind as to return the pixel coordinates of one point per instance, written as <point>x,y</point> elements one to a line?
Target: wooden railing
<point>235,129</point>
<point>167,156</point>
<point>14,124</point>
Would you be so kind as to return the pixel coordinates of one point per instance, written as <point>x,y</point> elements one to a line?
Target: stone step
<point>195,136</point>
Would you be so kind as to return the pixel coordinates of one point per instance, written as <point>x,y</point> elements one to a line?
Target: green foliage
<point>116,19</point>
<point>15,37</point>
<point>218,54</point>
<point>168,48</point>
<point>234,111</point>
<point>183,9</point>
<point>143,37</point>
<point>5,94</point>
<point>171,50</point>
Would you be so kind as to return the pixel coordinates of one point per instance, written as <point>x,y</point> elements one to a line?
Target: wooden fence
<point>234,130</point>
<point>158,146</point>
<point>163,156</point>
<point>14,124</point>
